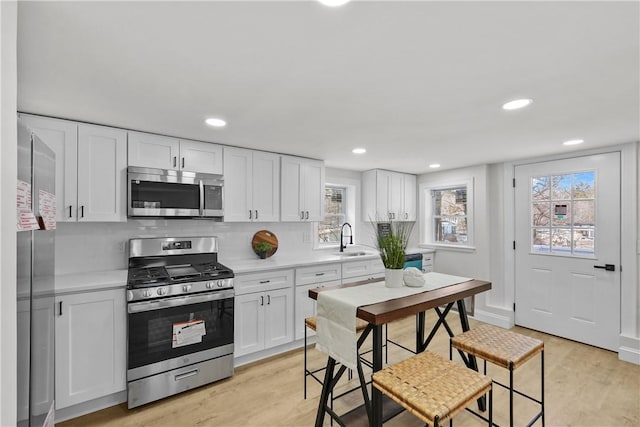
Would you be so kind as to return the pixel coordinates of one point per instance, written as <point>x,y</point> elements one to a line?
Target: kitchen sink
<point>351,254</point>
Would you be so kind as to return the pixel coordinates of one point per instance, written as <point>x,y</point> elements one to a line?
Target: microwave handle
<point>201,186</point>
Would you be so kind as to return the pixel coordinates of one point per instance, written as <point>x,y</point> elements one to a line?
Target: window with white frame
<point>335,205</point>
<point>448,214</point>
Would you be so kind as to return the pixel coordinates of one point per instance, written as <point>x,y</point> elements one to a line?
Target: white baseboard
<point>90,406</point>
<point>493,318</point>
<point>629,350</point>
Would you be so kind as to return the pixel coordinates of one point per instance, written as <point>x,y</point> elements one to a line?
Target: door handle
<point>69,211</point>
<point>183,163</point>
<point>256,213</point>
<point>608,267</point>
<point>174,161</point>
<point>306,215</point>
<point>261,299</point>
<point>250,214</point>
<point>186,375</point>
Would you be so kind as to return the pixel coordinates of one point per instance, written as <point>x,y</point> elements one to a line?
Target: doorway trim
<point>629,338</point>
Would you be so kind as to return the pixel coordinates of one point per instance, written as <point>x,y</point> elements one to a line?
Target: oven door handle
<point>138,307</point>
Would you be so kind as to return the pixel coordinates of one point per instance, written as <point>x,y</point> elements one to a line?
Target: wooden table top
<point>385,312</point>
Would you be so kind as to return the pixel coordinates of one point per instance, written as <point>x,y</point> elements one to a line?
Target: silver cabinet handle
<point>186,375</point>
<point>250,214</point>
<point>175,159</point>
<point>183,163</point>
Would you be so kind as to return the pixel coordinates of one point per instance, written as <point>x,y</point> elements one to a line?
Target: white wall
<point>8,172</point>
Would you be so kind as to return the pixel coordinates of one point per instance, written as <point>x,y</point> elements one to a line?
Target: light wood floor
<point>585,386</point>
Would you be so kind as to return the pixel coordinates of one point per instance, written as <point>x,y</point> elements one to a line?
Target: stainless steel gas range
<point>180,317</point>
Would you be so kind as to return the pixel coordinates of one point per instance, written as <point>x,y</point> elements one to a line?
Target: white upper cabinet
<point>102,169</point>
<point>62,137</point>
<point>302,183</point>
<point>388,195</point>
<point>251,185</point>
<point>163,152</point>
<point>91,164</point>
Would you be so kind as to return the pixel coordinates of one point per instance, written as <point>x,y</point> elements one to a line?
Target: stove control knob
<point>186,288</point>
<point>147,293</point>
<point>210,285</point>
<point>162,291</point>
<point>220,283</point>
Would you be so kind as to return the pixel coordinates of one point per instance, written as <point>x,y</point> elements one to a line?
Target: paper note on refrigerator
<point>26,220</point>
<point>47,207</point>
<point>185,333</point>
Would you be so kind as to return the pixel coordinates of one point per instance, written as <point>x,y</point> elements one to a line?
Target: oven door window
<point>151,333</point>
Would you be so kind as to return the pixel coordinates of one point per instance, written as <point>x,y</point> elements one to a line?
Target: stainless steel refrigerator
<point>35,280</point>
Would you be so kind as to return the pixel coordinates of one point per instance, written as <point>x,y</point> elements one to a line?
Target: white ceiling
<point>413,82</point>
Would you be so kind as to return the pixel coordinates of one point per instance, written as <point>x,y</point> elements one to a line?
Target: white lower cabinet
<point>356,271</point>
<point>263,319</point>
<point>90,346</point>
<point>313,276</point>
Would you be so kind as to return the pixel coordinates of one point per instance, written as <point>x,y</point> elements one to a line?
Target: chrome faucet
<point>342,247</point>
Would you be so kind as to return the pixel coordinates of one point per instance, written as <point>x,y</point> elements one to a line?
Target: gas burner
<point>148,276</point>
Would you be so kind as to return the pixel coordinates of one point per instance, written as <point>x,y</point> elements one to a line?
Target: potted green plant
<point>391,240</point>
<point>262,249</point>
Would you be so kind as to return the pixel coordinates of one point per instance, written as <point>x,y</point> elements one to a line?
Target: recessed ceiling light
<point>215,122</point>
<point>573,142</point>
<point>334,3</point>
<point>516,104</point>
<point>359,150</point>
<point>434,165</point>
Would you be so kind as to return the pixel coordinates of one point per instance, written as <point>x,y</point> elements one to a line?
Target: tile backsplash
<point>100,246</point>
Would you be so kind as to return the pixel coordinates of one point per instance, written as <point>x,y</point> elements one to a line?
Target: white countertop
<point>113,279</point>
<point>91,281</point>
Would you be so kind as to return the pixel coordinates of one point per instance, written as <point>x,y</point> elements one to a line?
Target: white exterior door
<point>567,231</point>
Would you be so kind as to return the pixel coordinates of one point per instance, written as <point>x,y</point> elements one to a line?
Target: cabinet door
<point>306,306</point>
<point>102,168</point>
<point>62,137</point>
<point>238,184</point>
<point>313,190</point>
<point>278,317</point>
<point>248,323</point>
<point>266,186</point>
<point>90,346</point>
<point>383,185</point>
<point>395,195</point>
<point>153,151</point>
<point>203,157</point>
<point>291,208</point>
<point>409,202</point>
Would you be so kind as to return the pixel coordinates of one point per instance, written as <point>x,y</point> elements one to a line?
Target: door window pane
<point>562,212</point>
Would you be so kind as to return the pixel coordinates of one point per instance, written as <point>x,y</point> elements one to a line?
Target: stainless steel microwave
<point>175,194</point>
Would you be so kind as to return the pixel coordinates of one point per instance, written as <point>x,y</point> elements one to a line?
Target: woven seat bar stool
<point>310,322</point>
<point>507,349</point>
<point>433,388</point>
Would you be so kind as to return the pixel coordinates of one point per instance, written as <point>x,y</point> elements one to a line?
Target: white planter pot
<point>393,277</point>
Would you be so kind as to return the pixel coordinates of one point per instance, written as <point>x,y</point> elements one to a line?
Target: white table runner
<point>336,312</point>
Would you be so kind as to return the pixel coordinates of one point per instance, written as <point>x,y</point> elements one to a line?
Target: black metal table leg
<point>326,390</point>
<point>376,395</point>
<point>420,320</point>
